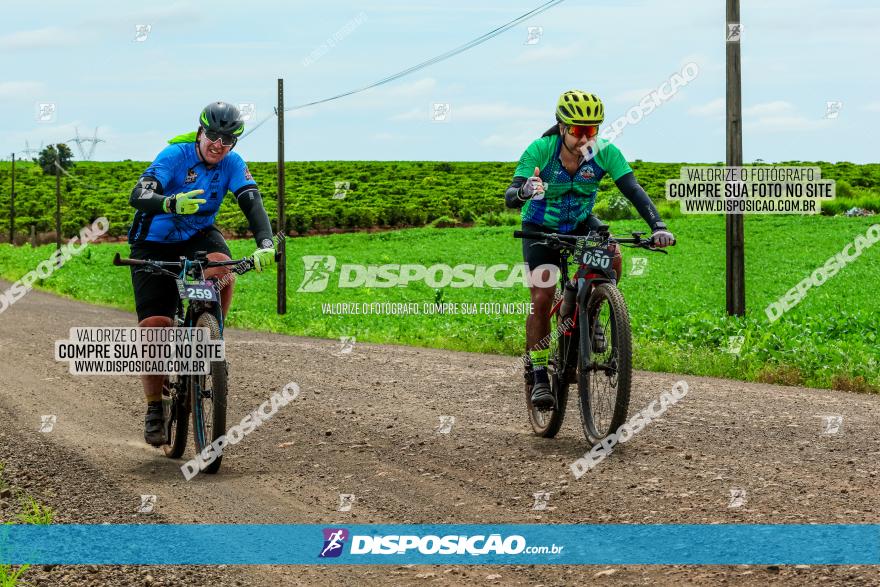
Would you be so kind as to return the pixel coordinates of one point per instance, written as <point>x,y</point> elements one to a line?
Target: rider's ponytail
<point>553,130</point>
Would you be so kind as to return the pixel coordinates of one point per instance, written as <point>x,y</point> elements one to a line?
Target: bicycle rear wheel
<point>604,374</point>
<point>175,403</point>
<point>208,397</point>
<point>546,423</point>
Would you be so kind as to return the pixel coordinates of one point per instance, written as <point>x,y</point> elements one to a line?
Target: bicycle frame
<point>194,308</point>
<point>586,278</point>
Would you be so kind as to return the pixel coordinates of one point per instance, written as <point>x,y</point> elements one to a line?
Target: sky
<point>86,60</point>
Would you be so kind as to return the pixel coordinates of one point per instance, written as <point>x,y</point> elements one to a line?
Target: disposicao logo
<point>334,541</point>
<point>318,269</point>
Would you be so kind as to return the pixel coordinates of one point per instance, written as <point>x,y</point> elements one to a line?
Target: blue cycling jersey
<point>178,168</point>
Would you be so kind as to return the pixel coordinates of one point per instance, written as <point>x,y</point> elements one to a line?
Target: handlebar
<point>540,235</point>
<point>239,266</point>
<point>570,240</point>
<point>118,261</point>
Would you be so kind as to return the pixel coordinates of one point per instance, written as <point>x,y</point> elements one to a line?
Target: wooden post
<point>736,281</point>
<point>280,228</point>
<point>57,197</point>
<point>12,206</point>
<point>34,235</point>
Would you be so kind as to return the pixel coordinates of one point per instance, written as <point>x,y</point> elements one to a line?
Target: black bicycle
<point>198,305</point>
<point>592,342</point>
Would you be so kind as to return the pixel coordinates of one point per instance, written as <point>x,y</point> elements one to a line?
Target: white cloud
<point>499,111</point>
<point>704,63</point>
<point>485,112</point>
<point>384,136</point>
<point>779,116</point>
<point>775,116</point>
<point>709,109</point>
<point>414,114</point>
<point>632,96</point>
<point>38,38</point>
<point>77,33</point>
<point>786,123</point>
<point>513,144</point>
<point>396,96</point>
<point>540,52</point>
<point>162,13</point>
<point>777,107</point>
<point>157,14</point>
<point>23,89</point>
<point>411,89</point>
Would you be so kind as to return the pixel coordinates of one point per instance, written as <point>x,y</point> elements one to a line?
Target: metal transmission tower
<point>79,144</point>
<point>31,153</point>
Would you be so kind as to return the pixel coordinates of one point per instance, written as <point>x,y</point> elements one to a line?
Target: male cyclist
<point>555,184</point>
<point>177,199</point>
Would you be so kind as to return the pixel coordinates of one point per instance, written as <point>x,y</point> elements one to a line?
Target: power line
<point>442,57</point>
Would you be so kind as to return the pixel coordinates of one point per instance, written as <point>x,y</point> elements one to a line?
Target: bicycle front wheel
<point>604,362</point>
<point>208,396</point>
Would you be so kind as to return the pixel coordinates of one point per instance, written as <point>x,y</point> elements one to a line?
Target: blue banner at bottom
<point>452,544</point>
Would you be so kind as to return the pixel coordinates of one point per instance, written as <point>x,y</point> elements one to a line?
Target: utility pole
<point>57,197</point>
<point>280,228</point>
<point>12,206</point>
<point>736,273</point>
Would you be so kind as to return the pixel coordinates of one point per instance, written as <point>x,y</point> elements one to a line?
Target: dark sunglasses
<point>225,140</point>
<point>583,131</point>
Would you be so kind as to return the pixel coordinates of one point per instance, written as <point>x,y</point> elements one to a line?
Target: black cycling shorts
<point>542,255</point>
<point>157,295</point>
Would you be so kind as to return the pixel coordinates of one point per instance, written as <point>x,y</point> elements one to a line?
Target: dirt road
<point>366,423</point>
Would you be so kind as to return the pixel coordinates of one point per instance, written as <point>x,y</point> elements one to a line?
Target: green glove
<point>186,203</point>
<point>263,258</point>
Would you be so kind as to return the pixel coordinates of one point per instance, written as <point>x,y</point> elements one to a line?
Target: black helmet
<point>222,117</point>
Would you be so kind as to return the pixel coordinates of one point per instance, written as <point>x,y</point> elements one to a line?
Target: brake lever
<point>153,269</point>
<point>545,243</point>
<point>162,271</point>
<point>655,249</point>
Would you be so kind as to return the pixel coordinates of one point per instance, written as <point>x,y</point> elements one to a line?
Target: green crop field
<point>679,325</point>
<point>385,194</point>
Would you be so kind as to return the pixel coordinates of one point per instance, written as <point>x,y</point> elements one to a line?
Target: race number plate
<point>597,258</point>
<point>202,291</point>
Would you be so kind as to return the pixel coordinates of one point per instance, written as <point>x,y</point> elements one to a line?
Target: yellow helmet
<point>577,107</point>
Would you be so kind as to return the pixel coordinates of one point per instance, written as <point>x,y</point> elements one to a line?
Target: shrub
<point>498,219</point>
<point>443,222</point>
<point>843,189</point>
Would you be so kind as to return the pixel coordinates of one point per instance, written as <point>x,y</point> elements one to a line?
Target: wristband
<point>166,205</point>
